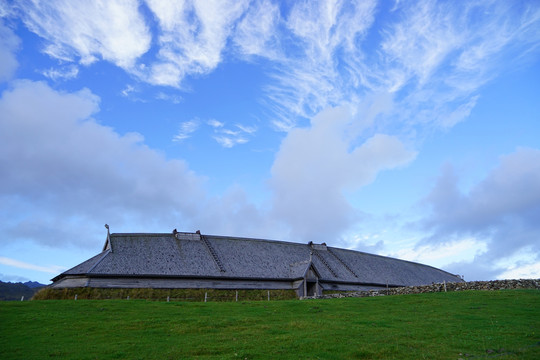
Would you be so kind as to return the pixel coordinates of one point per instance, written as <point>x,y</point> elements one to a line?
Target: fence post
<point>444,282</point>
<point>167,299</point>
<point>205,296</point>
<point>75,296</point>
<point>268,295</point>
<point>22,298</point>
<point>236,295</point>
<point>128,297</point>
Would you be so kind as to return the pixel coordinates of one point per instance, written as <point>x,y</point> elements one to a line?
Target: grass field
<point>469,324</point>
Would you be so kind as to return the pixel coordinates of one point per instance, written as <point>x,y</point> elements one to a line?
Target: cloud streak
<point>187,128</point>
<point>23,265</point>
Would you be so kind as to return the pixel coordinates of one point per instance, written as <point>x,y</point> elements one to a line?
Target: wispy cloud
<point>193,36</point>
<point>65,73</point>
<point>174,98</point>
<point>187,128</point>
<point>246,129</point>
<point>52,269</point>
<point>257,33</point>
<point>128,90</point>
<point>229,138</point>
<point>432,55</point>
<point>313,76</point>
<point>225,136</point>
<point>215,124</point>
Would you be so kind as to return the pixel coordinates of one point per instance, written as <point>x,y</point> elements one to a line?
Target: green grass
<point>480,324</point>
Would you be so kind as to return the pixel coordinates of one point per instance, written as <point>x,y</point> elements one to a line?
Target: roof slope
<point>232,257</point>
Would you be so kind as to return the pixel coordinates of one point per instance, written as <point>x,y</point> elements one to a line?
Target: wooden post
<point>128,297</point>
<point>75,296</point>
<point>268,295</point>
<point>236,295</point>
<point>205,296</point>
<point>167,299</point>
<point>444,282</point>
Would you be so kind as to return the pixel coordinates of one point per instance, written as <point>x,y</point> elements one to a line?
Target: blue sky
<point>406,129</point>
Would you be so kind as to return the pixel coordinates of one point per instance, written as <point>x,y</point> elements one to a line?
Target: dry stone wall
<point>442,287</point>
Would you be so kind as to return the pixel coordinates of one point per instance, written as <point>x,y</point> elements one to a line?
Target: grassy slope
<point>435,326</point>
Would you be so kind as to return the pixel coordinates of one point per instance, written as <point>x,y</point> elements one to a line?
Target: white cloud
<point>193,37</point>
<point>112,30</point>
<point>441,255</point>
<point>315,165</point>
<point>256,33</point>
<point>166,74</point>
<point>527,271</point>
<point>9,43</point>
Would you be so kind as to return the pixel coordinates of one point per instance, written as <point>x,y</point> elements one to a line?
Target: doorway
<point>311,288</point>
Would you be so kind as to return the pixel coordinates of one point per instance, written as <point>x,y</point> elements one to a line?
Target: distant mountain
<point>14,291</point>
<point>33,284</point>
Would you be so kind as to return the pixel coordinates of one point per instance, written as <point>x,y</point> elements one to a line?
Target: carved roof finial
<point>107,245</point>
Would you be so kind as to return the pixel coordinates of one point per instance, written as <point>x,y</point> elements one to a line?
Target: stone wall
<point>441,287</point>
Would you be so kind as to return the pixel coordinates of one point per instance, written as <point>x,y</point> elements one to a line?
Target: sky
<point>408,129</point>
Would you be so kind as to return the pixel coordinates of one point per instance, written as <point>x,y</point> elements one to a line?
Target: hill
<point>452,325</point>
<point>14,291</point>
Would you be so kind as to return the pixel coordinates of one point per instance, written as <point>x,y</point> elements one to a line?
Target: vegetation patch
<point>503,324</point>
<point>87,293</point>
